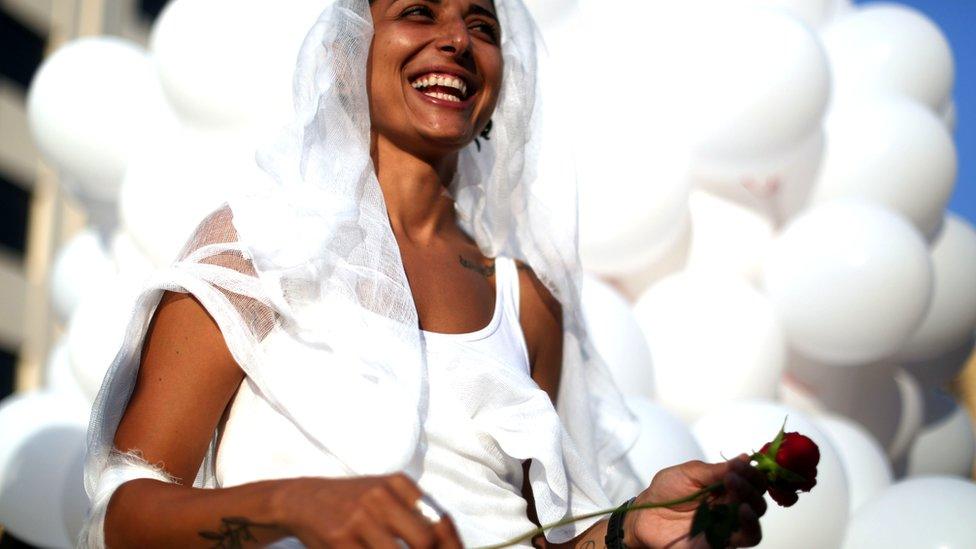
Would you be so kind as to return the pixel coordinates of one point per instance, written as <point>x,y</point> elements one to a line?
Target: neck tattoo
<point>486,272</point>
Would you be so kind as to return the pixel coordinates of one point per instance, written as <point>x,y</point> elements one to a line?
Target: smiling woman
<point>382,343</point>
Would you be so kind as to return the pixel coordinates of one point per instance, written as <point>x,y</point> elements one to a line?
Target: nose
<point>454,37</point>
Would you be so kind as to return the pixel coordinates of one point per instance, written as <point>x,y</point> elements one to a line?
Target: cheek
<point>494,70</point>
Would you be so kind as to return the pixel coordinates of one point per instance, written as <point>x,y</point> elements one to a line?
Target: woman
<point>337,349</point>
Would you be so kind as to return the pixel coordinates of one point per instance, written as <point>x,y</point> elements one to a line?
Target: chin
<point>447,141</point>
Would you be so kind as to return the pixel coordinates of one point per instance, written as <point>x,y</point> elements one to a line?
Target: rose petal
<point>785,498</point>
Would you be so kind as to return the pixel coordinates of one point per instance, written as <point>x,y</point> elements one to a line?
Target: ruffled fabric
<point>508,406</point>
<point>119,468</point>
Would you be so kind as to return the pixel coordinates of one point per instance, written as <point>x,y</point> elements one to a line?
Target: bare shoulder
<point>540,315</point>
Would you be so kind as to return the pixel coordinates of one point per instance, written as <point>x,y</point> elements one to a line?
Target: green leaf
<point>778,441</point>
<point>702,519</point>
<point>725,524</point>
<point>717,522</point>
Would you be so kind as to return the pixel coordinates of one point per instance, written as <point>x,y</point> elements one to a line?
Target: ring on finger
<point>429,508</point>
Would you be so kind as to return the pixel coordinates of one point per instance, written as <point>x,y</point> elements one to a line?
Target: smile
<point>445,87</point>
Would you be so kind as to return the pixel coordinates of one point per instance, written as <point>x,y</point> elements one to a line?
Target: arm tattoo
<point>234,531</point>
<point>487,272</point>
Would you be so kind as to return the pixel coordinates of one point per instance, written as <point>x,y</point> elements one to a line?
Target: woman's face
<point>435,72</point>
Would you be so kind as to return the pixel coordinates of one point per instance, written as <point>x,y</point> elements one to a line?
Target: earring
<point>484,133</point>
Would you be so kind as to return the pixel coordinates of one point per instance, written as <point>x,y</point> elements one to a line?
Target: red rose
<point>794,467</point>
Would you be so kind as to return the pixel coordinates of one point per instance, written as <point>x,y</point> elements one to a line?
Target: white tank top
<point>469,465</point>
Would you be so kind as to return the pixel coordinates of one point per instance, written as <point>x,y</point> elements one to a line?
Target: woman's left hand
<point>670,526</point>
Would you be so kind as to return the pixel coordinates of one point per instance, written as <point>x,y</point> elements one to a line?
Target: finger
<point>373,535</point>
<point>710,473</point>
<point>401,521</point>
<point>755,477</point>
<point>404,488</point>
<point>749,533</point>
<point>739,489</point>
<point>447,534</point>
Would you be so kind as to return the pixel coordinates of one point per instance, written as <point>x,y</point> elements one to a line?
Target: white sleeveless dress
<point>471,467</point>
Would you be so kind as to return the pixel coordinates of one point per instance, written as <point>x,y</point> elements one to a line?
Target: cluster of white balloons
<point>147,141</point>
<point>764,184</point>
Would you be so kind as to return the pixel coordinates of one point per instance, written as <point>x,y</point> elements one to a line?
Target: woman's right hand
<point>371,512</point>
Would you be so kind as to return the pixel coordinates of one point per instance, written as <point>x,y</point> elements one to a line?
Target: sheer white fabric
<point>308,258</point>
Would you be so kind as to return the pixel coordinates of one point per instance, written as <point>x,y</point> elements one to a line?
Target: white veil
<point>310,253</point>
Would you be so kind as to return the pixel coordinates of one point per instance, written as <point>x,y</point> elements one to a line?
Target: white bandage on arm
<point>121,468</point>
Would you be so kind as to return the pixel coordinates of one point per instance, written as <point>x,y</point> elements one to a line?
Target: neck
<point>415,191</point>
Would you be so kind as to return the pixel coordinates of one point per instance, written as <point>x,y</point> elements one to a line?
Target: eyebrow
<point>475,8</point>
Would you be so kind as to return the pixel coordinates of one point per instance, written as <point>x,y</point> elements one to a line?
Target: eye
<point>418,11</point>
<point>486,28</point>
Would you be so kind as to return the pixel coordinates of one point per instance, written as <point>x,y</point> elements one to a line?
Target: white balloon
<point>95,335</point>
<point>951,319</point>
<point>229,63</point>
<point>745,350</point>
<point>746,101</point>
<point>633,210</point>
<point>812,12</point>
<point>130,261</point>
<point>885,400</point>
<point>81,267</point>
<point>893,151</point>
<point>617,337</point>
<point>941,370</point>
<point>919,513</point>
<point>866,466</point>
<point>727,237</point>
<point>664,440</point>
<point>41,432</point>
<point>820,516</point>
<point>75,504</point>
<point>777,187</point>
<point>850,281</point>
<point>632,168</point>
<point>90,106</point>
<point>60,379</point>
<point>169,190</point>
<point>946,445</point>
<point>841,8</point>
<point>634,284</point>
<point>890,48</point>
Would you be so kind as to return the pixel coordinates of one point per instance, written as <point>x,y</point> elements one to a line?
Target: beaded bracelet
<point>615,526</point>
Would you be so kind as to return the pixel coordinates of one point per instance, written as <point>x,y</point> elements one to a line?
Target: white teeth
<point>441,80</point>
<point>444,96</point>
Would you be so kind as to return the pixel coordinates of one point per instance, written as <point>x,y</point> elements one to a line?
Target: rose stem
<point>531,534</point>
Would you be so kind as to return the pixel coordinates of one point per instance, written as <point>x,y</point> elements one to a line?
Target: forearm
<point>151,513</point>
<point>591,538</point>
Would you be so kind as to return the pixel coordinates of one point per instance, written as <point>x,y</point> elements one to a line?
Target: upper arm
<point>540,315</point>
<point>186,378</point>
